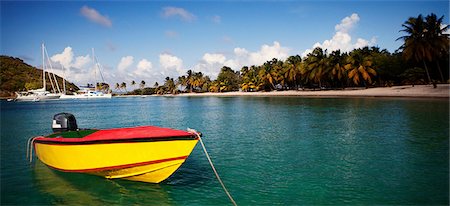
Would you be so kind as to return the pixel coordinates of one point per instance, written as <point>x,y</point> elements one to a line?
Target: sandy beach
<point>418,91</point>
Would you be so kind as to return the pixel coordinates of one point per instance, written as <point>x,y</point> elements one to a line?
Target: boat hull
<point>38,97</point>
<point>86,96</point>
<point>144,160</point>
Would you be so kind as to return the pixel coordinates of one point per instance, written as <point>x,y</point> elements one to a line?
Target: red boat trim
<point>53,141</point>
<point>121,166</point>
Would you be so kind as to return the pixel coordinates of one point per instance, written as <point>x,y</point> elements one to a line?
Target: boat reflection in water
<point>81,189</point>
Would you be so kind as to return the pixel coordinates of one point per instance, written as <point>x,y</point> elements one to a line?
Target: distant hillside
<point>16,75</point>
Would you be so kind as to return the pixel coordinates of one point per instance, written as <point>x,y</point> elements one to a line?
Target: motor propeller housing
<point>63,122</point>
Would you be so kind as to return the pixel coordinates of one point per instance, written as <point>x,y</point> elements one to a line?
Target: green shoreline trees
<point>426,42</point>
<point>424,53</point>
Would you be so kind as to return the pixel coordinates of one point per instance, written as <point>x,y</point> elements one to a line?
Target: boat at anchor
<point>145,153</point>
<point>42,93</point>
<point>100,91</point>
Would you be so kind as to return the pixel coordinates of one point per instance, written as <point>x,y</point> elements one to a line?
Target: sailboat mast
<point>43,67</point>
<point>95,69</point>
<point>64,80</point>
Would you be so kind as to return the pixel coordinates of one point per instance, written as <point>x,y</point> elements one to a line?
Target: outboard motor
<point>63,122</point>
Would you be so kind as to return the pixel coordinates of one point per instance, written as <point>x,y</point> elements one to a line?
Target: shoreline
<point>418,91</point>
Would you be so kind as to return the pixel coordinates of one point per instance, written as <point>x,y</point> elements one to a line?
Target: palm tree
<point>245,87</point>
<point>156,85</point>
<point>142,85</point>
<point>416,46</point>
<point>337,63</point>
<point>268,73</point>
<point>118,86</point>
<point>292,72</point>
<point>439,40</point>
<point>316,65</point>
<point>124,86</point>
<point>214,87</point>
<point>225,86</point>
<point>206,83</point>
<point>359,67</point>
<point>278,72</point>
<point>189,80</point>
<point>133,83</point>
<point>169,84</point>
<point>197,80</point>
<point>249,78</point>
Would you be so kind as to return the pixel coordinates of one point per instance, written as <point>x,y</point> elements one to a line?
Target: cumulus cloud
<point>214,58</point>
<point>178,12</point>
<point>211,63</point>
<point>94,16</point>
<point>81,61</point>
<point>342,39</point>
<point>125,62</point>
<point>242,57</point>
<point>77,69</point>
<point>144,68</point>
<point>171,65</point>
<point>65,58</point>
<point>347,23</point>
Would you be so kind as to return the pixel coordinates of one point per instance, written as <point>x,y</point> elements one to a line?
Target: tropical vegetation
<point>423,58</point>
<point>16,75</point>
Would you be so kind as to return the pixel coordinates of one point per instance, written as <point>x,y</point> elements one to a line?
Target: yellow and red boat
<point>145,153</point>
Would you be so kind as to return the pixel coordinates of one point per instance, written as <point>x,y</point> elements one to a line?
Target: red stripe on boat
<point>140,132</point>
<point>122,166</point>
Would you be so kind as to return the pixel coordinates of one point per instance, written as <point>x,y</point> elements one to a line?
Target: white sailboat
<point>42,93</point>
<point>89,92</point>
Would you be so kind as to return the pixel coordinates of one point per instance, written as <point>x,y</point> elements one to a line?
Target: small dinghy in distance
<point>145,153</point>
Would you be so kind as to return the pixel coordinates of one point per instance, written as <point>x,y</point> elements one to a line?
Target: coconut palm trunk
<point>426,69</point>
<point>440,71</point>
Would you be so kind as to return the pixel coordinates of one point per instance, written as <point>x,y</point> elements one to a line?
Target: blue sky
<point>148,40</point>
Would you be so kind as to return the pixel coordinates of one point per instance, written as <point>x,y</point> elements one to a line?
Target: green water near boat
<point>268,151</point>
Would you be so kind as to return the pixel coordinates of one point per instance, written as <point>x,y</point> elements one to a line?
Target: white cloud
<point>342,39</point>
<point>242,57</point>
<point>77,69</point>
<point>125,62</point>
<point>269,52</point>
<point>211,63</point>
<point>347,23</point>
<point>171,65</point>
<point>144,68</point>
<point>180,12</point>
<point>94,16</point>
<point>81,61</point>
<point>65,58</point>
<point>213,58</point>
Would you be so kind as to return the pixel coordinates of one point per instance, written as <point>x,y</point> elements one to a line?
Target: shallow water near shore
<point>268,151</point>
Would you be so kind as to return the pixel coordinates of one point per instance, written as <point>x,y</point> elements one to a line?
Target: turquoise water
<point>268,151</point>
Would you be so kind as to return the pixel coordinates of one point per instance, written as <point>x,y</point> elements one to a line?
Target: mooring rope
<point>212,165</point>
<point>30,143</point>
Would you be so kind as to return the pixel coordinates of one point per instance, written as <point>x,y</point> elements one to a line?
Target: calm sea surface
<point>268,151</point>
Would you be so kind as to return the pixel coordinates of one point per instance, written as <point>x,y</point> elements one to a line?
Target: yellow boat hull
<point>146,161</point>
